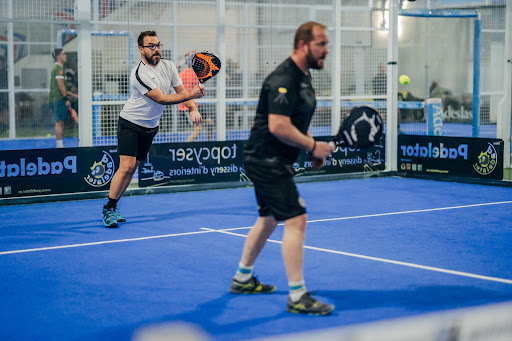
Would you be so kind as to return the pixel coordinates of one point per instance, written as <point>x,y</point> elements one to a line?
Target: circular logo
<point>101,172</point>
<point>302,203</point>
<point>487,161</point>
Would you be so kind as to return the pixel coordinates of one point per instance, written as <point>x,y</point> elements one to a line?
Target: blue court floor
<point>377,248</point>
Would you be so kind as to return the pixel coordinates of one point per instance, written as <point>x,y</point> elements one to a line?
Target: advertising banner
<point>346,160</point>
<point>191,163</point>
<point>458,156</point>
<point>56,171</point>
<point>36,172</point>
<point>210,162</point>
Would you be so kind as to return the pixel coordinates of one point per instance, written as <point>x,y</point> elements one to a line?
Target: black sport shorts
<point>134,140</point>
<point>275,189</point>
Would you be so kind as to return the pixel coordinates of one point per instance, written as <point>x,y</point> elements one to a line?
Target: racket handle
<point>337,143</point>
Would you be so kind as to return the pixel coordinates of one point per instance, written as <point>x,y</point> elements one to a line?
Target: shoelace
<point>309,301</point>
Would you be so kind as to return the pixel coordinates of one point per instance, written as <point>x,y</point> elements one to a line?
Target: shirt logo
<point>281,97</point>
<point>303,85</point>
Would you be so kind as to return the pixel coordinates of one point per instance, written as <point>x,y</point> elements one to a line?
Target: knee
<point>297,223</point>
<point>127,169</point>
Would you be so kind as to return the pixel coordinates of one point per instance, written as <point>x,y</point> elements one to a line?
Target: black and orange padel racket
<point>206,65</point>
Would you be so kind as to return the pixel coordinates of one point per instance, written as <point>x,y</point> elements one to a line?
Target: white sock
<point>60,144</point>
<point>297,289</point>
<point>243,273</point>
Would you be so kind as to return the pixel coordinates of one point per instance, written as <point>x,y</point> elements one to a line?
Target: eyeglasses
<point>153,47</point>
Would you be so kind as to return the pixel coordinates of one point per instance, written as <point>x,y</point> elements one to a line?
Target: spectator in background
<point>380,87</point>
<point>59,95</point>
<point>380,81</point>
<point>446,95</point>
<point>72,85</point>
<point>189,79</point>
<point>407,96</point>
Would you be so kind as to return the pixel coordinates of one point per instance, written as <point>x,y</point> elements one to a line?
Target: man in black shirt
<point>286,105</point>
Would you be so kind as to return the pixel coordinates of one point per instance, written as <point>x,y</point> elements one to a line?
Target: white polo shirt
<point>141,109</point>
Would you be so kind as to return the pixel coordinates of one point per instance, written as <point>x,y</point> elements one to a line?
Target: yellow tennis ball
<point>404,79</point>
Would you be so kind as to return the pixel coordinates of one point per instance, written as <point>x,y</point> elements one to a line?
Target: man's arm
<point>180,89</point>
<point>194,114</point>
<point>282,127</point>
<point>62,87</point>
<point>158,96</point>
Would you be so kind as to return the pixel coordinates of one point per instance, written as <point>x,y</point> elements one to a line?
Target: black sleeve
<point>282,94</point>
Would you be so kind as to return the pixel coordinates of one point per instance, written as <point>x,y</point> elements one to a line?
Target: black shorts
<point>134,140</point>
<point>276,192</point>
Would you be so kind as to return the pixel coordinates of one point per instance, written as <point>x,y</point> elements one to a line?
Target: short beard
<point>312,62</point>
<point>151,59</point>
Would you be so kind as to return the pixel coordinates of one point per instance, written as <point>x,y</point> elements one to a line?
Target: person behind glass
<point>280,131</point>
<point>380,87</point>
<point>380,81</point>
<point>189,79</point>
<point>59,94</point>
<point>151,82</point>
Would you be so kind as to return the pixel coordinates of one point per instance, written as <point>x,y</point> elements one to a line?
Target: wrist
<point>311,151</point>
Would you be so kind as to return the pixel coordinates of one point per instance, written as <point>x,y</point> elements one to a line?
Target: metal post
<point>83,14</point>
<point>476,76</point>
<point>10,72</point>
<point>336,69</point>
<point>392,89</point>
<point>221,78</point>
<point>504,116</point>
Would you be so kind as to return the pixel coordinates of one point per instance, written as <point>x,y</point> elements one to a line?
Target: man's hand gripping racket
<point>361,129</point>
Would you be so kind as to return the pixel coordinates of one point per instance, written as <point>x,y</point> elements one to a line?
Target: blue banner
<point>56,171</point>
<point>457,156</point>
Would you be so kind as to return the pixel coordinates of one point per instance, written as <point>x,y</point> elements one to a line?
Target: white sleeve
<point>175,76</point>
<point>144,83</point>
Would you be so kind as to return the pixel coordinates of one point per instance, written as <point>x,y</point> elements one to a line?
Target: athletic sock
<point>297,289</point>
<point>244,273</point>
<point>60,144</point>
<point>112,203</point>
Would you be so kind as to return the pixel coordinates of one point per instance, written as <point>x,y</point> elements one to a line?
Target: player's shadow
<point>170,215</point>
<point>426,298</point>
<point>212,317</point>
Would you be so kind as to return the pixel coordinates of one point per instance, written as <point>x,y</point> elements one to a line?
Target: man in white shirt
<point>151,83</point>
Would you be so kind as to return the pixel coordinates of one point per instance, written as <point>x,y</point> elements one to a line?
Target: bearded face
<point>315,62</point>
<point>152,57</point>
<point>317,49</point>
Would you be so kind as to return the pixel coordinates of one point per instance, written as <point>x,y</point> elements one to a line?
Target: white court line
<point>414,211</point>
<point>100,243</point>
<point>390,213</point>
<point>383,260</point>
<point>243,228</point>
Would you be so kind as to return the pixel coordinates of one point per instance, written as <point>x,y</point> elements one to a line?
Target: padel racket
<point>361,129</point>
<point>73,114</point>
<point>206,65</point>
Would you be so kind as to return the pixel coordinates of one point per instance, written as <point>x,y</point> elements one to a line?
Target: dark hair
<point>305,32</point>
<point>140,40</point>
<point>55,53</point>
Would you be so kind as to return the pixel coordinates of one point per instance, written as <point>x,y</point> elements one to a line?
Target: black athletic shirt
<point>286,91</point>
